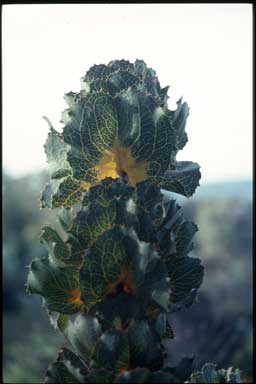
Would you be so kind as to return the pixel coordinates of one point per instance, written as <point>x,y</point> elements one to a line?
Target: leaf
<point>122,305</point>
<point>73,363</point>
<point>233,375</point>
<point>58,320</point>
<point>67,369</point>
<point>62,253</point>
<point>69,192</point>
<point>56,246</point>
<point>184,238</point>
<point>62,192</point>
<point>148,196</point>
<point>184,179</point>
<point>108,190</point>
<point>83,333</point>
<point>151,278</point>
<point>163,328</point>
<point>89,224</point>
<point>179,118</point>
<point>59,286</point>
<point>56,152</point>
<point>65,217</point>
<point>144,347</point>
<point>210,374</point>
<point>58,373</point>
<point>112,351</point>
<point>50,189</point>
<point>167,230</point>
<point>175,234</point>
<point>119,125</point>
<point>108,205</point>
<point>185,273</point>
<point>107,265</point>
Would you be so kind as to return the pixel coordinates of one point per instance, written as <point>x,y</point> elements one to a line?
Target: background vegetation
<point>218,328</point>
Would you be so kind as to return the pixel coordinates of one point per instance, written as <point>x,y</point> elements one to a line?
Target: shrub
<point>118,261</point>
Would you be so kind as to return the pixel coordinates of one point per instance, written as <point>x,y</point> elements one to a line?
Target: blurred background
<point>204,53</point>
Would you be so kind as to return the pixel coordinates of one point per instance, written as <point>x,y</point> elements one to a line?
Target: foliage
<point>118,259</point>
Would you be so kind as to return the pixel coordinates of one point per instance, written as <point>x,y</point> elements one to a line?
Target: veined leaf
<point>59,286</point>
<point>83,333</point>
<point>163,327</point>
<point>67,369</point>
<point>122,306</point>
<point>144,347</point>
<point>59,373</point>
<point>56,152</point>
<point>119,125</point>
<point>74,364</point>
<point>107,265</point>
<point>185,273</point>
<point>151,278</point>
<point>210,374</point>
<point>112,351</point>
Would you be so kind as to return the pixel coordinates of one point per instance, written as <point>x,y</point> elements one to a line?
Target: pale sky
<point>203,51</point>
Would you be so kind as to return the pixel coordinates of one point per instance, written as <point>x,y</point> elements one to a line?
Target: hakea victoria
<point>118,261</point>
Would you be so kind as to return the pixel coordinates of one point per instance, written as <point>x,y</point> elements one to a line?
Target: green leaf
<point>73,363</point>
<point>107,191</point>
<point>56,152</point>
<point>163,328</point>
<point>210,374</point>
<point>89,224</point>
<point>119,125</point>
<point>112,351</point>
<point>62,321</point>
<point>185,273</point>
<point>56,246</point>
<point>48,192</point>
<point>151,278</point>
<point>148,197</point>
<point>63,253</point>
<point>184,238</point>
<point>67,369</point>
<point>83,333</point>
<point>174,233</point>
<point>59,286</point>
<point>62,192</point>
<point>144,347</point>
<point>108,204</point>
<point>179,118</point>
<point>184,179</point>
<point>58,320</point>
<point>233,375</point>
<point>91,130</point>
<point>106,265</point>
<point>65,217</point>
<point>58,373</point>
<point>69,192</point>
<point>121,305</point>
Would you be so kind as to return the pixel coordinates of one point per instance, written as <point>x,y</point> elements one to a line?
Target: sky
<point>203,51</point>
